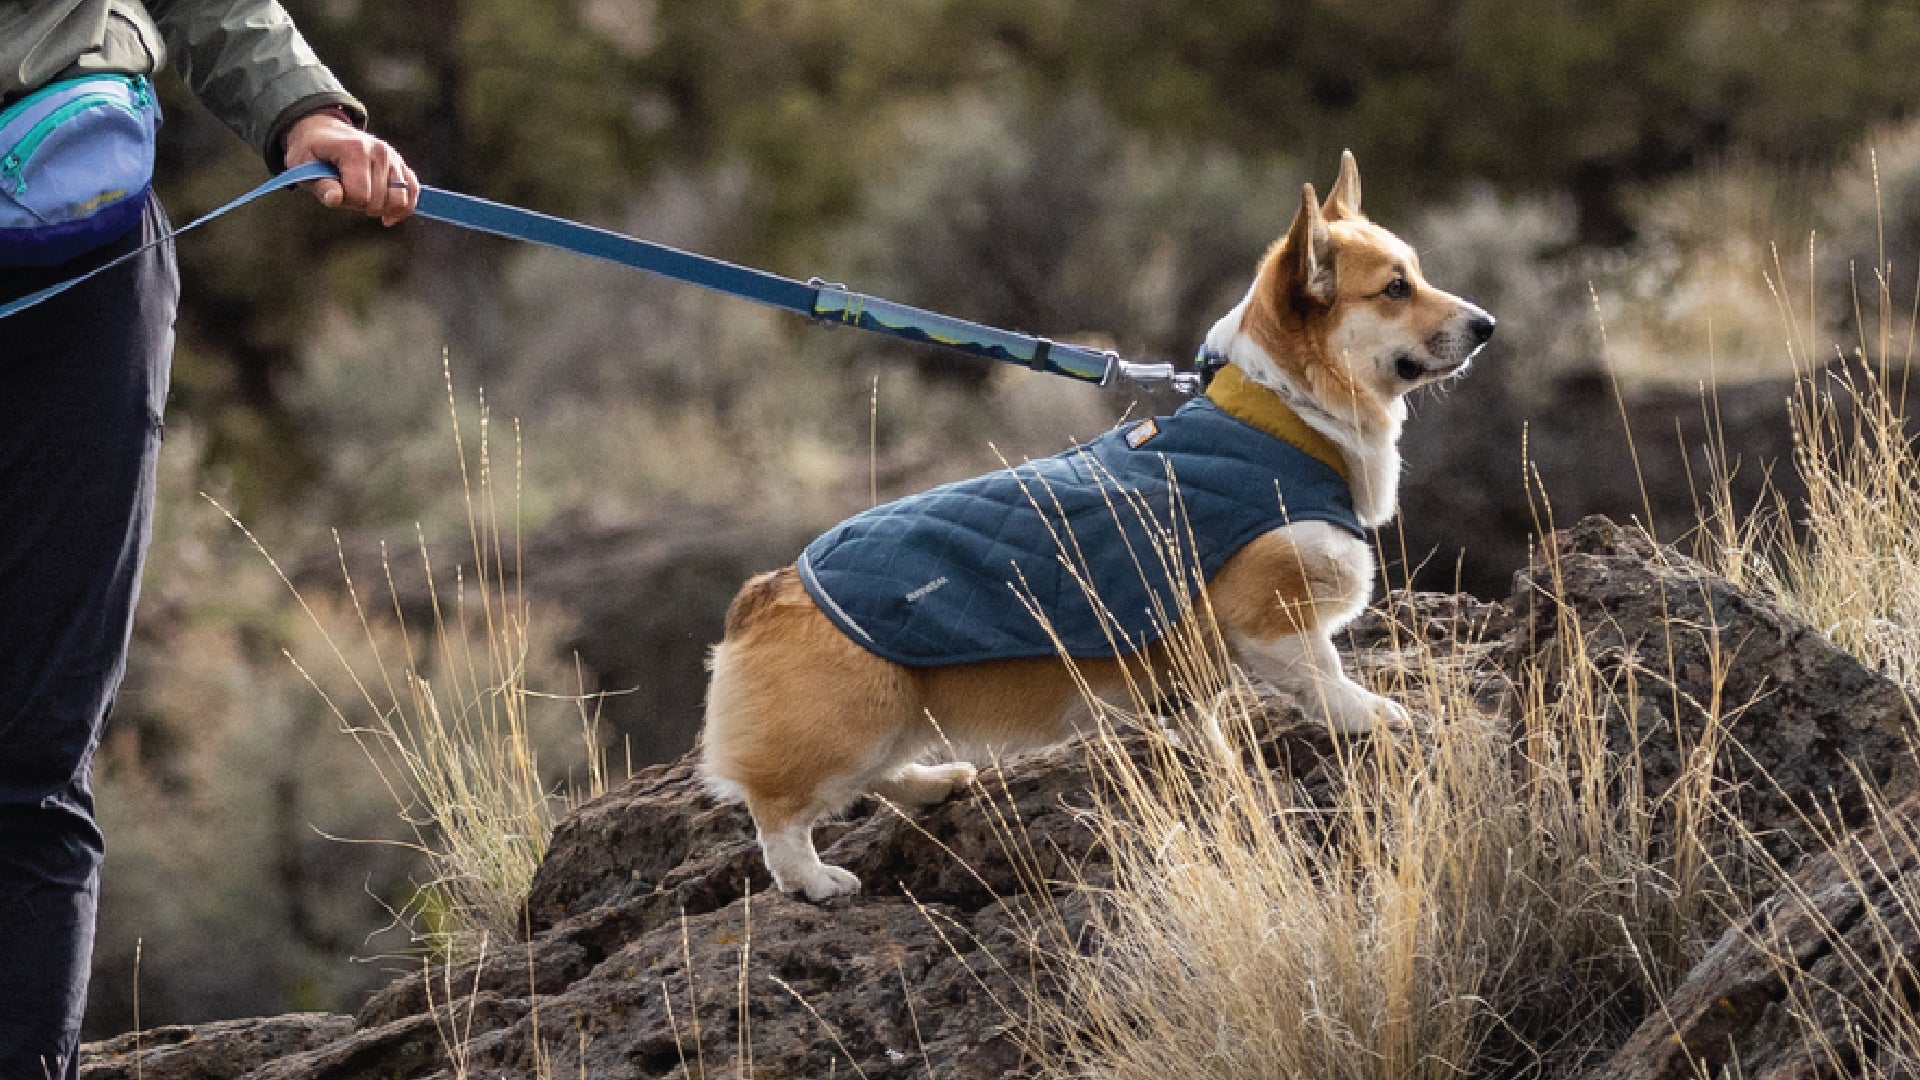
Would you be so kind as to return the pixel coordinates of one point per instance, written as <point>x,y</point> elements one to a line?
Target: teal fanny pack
<point>76,164</point>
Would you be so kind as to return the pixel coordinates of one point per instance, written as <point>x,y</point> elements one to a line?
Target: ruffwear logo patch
<point>1138,434</point>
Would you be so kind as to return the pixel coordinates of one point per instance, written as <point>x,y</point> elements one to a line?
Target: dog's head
<point>1341,310</point>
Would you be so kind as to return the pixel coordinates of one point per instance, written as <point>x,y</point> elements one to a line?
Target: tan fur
<point>791,665</point>
<point>801,719</point>
<point>1271,588</point>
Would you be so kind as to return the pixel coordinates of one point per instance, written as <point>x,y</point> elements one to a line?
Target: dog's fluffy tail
<point>758,594</point>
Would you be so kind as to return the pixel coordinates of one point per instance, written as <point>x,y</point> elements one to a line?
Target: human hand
<point>373,178</point>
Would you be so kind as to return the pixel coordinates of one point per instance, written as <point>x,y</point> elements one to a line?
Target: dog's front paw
<point>822,883</point>
<point>1356,713</point>
<point>1394,715</point>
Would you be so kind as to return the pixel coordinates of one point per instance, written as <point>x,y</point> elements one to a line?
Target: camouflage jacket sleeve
<point>245,60</point>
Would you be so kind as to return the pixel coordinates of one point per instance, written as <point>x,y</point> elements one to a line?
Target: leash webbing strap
<point>514,223</point>
<point>828,303</point>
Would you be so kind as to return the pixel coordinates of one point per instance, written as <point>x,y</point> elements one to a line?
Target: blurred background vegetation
<point>1107,167</point>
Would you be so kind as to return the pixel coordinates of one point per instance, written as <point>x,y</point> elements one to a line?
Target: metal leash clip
<point>1155,374</point>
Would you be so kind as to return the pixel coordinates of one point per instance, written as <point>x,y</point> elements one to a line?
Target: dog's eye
<point>1397,289</point>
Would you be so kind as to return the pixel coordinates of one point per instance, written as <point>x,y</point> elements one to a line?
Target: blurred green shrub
<point>1539,95</point>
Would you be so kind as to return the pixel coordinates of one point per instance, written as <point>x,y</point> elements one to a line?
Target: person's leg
<point>83,381</point>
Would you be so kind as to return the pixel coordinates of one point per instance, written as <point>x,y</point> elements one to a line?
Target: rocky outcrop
<point>656,948</point>
<point>1816,983</point>
<point>1807,728</point>
<point>223,1049</point>
<point>652,915</point>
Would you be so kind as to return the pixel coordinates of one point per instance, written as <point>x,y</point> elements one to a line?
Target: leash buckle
<point>1154,374</point>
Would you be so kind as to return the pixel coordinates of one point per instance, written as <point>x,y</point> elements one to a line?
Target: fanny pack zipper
<point>13,165</point>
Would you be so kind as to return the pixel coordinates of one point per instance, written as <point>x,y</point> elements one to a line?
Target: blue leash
<point>821,301</point>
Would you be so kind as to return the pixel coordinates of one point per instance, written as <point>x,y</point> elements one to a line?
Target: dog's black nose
<point>1481,327</point>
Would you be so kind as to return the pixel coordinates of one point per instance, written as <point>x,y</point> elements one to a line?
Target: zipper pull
<point>10,170</point>
<point>142,92</point>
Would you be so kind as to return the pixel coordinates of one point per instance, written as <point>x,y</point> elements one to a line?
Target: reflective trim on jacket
<point>243,59</point>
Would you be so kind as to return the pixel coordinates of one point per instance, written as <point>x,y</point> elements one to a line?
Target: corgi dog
<point>804,713</point>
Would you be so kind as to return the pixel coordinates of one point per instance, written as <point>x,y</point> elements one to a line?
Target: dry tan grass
<point>1848,561</point>
<point>451,719</point>
<point>1473,897</point>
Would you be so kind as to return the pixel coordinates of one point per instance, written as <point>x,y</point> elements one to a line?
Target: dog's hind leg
<point>786,842</point>
<point>800,721</point>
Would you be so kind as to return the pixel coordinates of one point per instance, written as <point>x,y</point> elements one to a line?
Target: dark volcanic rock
<point>652,916</point>
<point>217,1051</point>
<point>629,842</point>
<point>797,989</point>
<point>1807,722</point>
<point>1805,988</point>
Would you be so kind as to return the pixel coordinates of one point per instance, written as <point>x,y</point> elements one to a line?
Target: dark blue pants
<point>83,379</point>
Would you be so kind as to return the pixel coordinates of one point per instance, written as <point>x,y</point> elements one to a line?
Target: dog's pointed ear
<point>1344,200</point>
<point>1310,251</point>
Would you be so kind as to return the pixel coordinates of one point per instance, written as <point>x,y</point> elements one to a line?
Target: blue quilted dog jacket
<point>1095,539</point>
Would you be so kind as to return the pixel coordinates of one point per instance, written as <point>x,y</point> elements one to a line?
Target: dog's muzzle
<point>1450,349</point>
